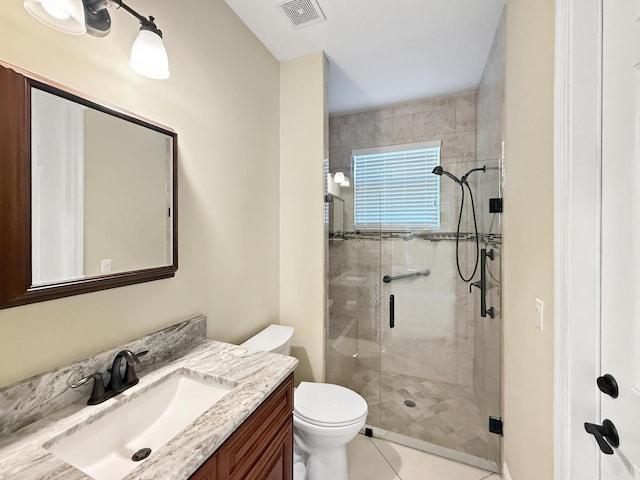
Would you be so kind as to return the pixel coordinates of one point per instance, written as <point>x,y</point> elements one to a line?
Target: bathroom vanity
<point>262,448</point>
<point>48,432</point>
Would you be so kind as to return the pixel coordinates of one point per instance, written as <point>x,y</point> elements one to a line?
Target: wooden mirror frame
<point>15,196</point>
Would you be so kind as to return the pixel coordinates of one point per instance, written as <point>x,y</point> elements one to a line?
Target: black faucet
<point>118,383</point>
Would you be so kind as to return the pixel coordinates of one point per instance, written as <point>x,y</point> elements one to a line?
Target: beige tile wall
<point>449,119</point>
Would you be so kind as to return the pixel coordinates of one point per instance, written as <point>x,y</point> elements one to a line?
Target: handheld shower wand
<point>462,182</point>
<point>441,171</point>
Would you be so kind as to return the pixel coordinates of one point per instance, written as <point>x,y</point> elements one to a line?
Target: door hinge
<point>495,425</point>
<point>495,205</point>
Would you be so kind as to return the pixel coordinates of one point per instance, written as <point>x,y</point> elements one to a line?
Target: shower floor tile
<point>444,414</point>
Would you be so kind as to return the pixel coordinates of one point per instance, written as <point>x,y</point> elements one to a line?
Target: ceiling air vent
<point>302,13</point>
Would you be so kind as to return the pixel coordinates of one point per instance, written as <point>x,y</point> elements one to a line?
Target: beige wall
<point>223,100</point>
<point>528,239</point>
<point>302,239</point>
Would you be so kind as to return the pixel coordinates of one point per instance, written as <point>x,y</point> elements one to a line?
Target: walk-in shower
<point>404,330</point>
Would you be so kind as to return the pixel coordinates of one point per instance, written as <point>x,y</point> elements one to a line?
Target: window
<point>394,188</point>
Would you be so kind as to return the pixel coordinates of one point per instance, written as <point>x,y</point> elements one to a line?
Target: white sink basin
<point>104,448</point>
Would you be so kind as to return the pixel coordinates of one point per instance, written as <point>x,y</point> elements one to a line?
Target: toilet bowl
<point>325,416</point>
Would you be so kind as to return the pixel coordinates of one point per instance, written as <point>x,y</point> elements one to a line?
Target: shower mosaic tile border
<point>489,238</point>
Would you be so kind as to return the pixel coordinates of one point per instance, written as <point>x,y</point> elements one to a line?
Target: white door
<point>621,232</point>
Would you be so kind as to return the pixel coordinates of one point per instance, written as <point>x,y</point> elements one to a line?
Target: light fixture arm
<point>97,6</point>
<point>148,23</point>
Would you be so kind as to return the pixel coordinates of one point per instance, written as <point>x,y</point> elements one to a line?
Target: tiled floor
<point>444,414</point>
<point>375,459</point>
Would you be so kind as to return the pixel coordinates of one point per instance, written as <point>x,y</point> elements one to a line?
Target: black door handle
<point>392,313</point>
<point>606,435</point>
<point>607,384</point>
<point>482,283</point>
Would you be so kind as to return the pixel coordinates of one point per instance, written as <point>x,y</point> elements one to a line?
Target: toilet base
<point>320,449</point>
<point>326,464</point>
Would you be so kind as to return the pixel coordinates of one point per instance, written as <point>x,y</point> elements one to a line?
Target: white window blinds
<point>394,188</point>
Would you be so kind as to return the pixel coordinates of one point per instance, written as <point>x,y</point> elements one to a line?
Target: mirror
<point>94,197</point>
<point>100,192</point>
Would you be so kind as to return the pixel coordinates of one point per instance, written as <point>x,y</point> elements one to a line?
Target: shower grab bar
<point>482,283</point>
<point>424,273</point>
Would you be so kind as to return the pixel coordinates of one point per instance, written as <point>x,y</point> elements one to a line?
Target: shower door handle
<point>482,283</point>
<point>392,313</point>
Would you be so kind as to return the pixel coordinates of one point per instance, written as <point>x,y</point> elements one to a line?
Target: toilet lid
<point>325,403</point>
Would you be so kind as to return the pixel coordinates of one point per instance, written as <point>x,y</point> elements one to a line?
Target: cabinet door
<point>277,461</point>
<point>242,456</point>
<point>207,470</point>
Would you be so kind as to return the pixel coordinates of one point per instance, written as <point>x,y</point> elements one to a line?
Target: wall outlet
<point>105,265</point>
<point>539,314</point>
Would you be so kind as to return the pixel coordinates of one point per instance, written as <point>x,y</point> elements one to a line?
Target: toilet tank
<point>274,338</point>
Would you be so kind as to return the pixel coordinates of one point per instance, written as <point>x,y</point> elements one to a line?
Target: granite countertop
<point>257,374</point>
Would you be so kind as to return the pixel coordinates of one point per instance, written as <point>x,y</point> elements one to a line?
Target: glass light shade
<point>64,15</point>
<point>148,56</point>
<point>55,12</point>
<point>338,177</point>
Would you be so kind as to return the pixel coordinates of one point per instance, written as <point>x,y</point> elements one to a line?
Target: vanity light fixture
<point>148,55</point>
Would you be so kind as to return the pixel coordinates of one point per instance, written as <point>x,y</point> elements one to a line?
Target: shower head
<point>439,171</point>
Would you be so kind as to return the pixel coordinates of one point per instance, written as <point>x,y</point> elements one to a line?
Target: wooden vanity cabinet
<point>261,448</point>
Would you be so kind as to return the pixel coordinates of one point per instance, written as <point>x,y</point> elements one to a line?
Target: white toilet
<point>325,416</point>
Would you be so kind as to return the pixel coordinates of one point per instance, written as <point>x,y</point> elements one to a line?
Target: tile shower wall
<point>432,338</point>
<point>449,119</point>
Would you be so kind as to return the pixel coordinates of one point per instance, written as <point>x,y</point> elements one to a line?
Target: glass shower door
<point>353,304</point>
<point>406,333</point>
<point>439,357</point>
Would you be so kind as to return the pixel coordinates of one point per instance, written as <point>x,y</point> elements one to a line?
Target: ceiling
<point>383,52</point>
